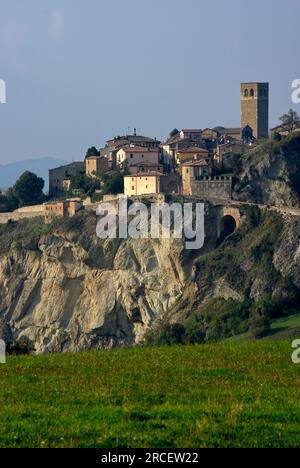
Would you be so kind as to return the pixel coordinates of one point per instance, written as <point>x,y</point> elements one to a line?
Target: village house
<point>142,184</point>
<point>95,166</point>
<point>133,155</point>
<point>59,177</point>
<point>63,208</point>
<point>191,134</point>
<point>114,145</point>
<point>146,166</point>
<point>184,139</point>
<point>192,154</point>
<point>228,149</point>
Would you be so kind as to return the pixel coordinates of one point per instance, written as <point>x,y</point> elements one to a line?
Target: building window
<point>146,186</point>
<point>132,188</point>
<point>142,155</point>
<point>252,93</point>
<point>246,93</point>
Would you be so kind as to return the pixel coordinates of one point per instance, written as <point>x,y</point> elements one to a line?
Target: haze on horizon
<point>78,73</point>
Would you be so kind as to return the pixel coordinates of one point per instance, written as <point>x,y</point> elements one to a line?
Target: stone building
<point>152,183</point>
<point>255,108</point>
<point>142,184</point>
<point>192,170</point>
<point>59,175</point>
<point>95,166</point>
<point>192,154</point>
<point>132,155</point>
<point>114,145</point>
<point>62,208</point>
<point>146,166</point>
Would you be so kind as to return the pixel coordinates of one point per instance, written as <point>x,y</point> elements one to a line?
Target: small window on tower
<point>252,93</point>
<point>246,93</point>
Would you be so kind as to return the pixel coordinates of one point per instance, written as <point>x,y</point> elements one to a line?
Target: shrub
<point>260,317</point>
<point>164,333</point>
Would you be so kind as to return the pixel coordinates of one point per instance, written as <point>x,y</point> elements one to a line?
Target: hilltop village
<point>191,162</point>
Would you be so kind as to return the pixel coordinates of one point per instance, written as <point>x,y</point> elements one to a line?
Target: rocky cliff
<point>63,289</point>
<point>270,174</point>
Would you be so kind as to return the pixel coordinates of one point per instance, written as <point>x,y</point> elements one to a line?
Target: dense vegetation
<point>225,395</point>
<point>28,190</point>
<point>242,260</point>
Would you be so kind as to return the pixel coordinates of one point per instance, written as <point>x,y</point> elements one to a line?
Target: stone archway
<point>230,221</point>
<point>233,213</point>
<point>173,188</point>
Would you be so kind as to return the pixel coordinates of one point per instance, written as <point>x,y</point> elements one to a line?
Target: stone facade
<point>133,155</point>
<point>95,166</point>
<point>58,175</point>
<point>190,171</point>
<point>212,188</point>
<point>142,184</point>
<point>255,108</point>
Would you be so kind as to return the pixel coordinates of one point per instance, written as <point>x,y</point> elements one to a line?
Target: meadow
<point>242,394</point>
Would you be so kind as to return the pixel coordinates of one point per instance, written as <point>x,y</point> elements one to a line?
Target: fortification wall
<point>212,188</point>
<point>15,216</point>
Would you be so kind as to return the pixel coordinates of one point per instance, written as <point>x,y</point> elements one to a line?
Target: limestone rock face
<point>270,175</point>
<point>63,297</point>
<point>67,290</point>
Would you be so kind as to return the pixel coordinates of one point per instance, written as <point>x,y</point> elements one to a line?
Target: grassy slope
<point>220,395</point>
<point>283,328</point>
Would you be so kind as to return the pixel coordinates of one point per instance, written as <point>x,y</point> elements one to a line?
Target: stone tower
<point>255,108</point>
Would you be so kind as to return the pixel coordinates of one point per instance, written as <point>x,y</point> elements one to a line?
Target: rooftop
<point>138,149</point>
<point>146,164</point>
<point>75,163</point>
<point>193,149</point>
<point>146,174</point>
<point>200,163</point>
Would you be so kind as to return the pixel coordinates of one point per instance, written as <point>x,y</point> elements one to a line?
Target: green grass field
<point>223,395</point>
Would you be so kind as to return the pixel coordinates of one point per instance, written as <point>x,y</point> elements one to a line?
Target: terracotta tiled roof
<point>200,163</point>
<point>146,164</point>
<point>193,149</point>
<point>146,174</point>
<point>138,149</point>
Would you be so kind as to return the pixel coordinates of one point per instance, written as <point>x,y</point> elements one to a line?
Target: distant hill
<point>9,173</point>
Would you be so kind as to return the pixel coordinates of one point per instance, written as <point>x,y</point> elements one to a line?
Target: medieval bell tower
<point>255,108</point>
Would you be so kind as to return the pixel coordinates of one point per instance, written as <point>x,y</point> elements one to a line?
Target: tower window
<point>246,93</point>
<point>252,93</point>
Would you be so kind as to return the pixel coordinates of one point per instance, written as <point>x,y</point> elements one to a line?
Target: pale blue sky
<point>79,72</point>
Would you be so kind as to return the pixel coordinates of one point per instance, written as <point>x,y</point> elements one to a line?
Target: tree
<point>92,152</point>
<point>277,136</point>
<point>28,189</point>
<point>85,183</point>
<point>260,317</point>
<point>11,203</point>
<point>174,132</point>
<point>290,120</point>
<point>113,185</point>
